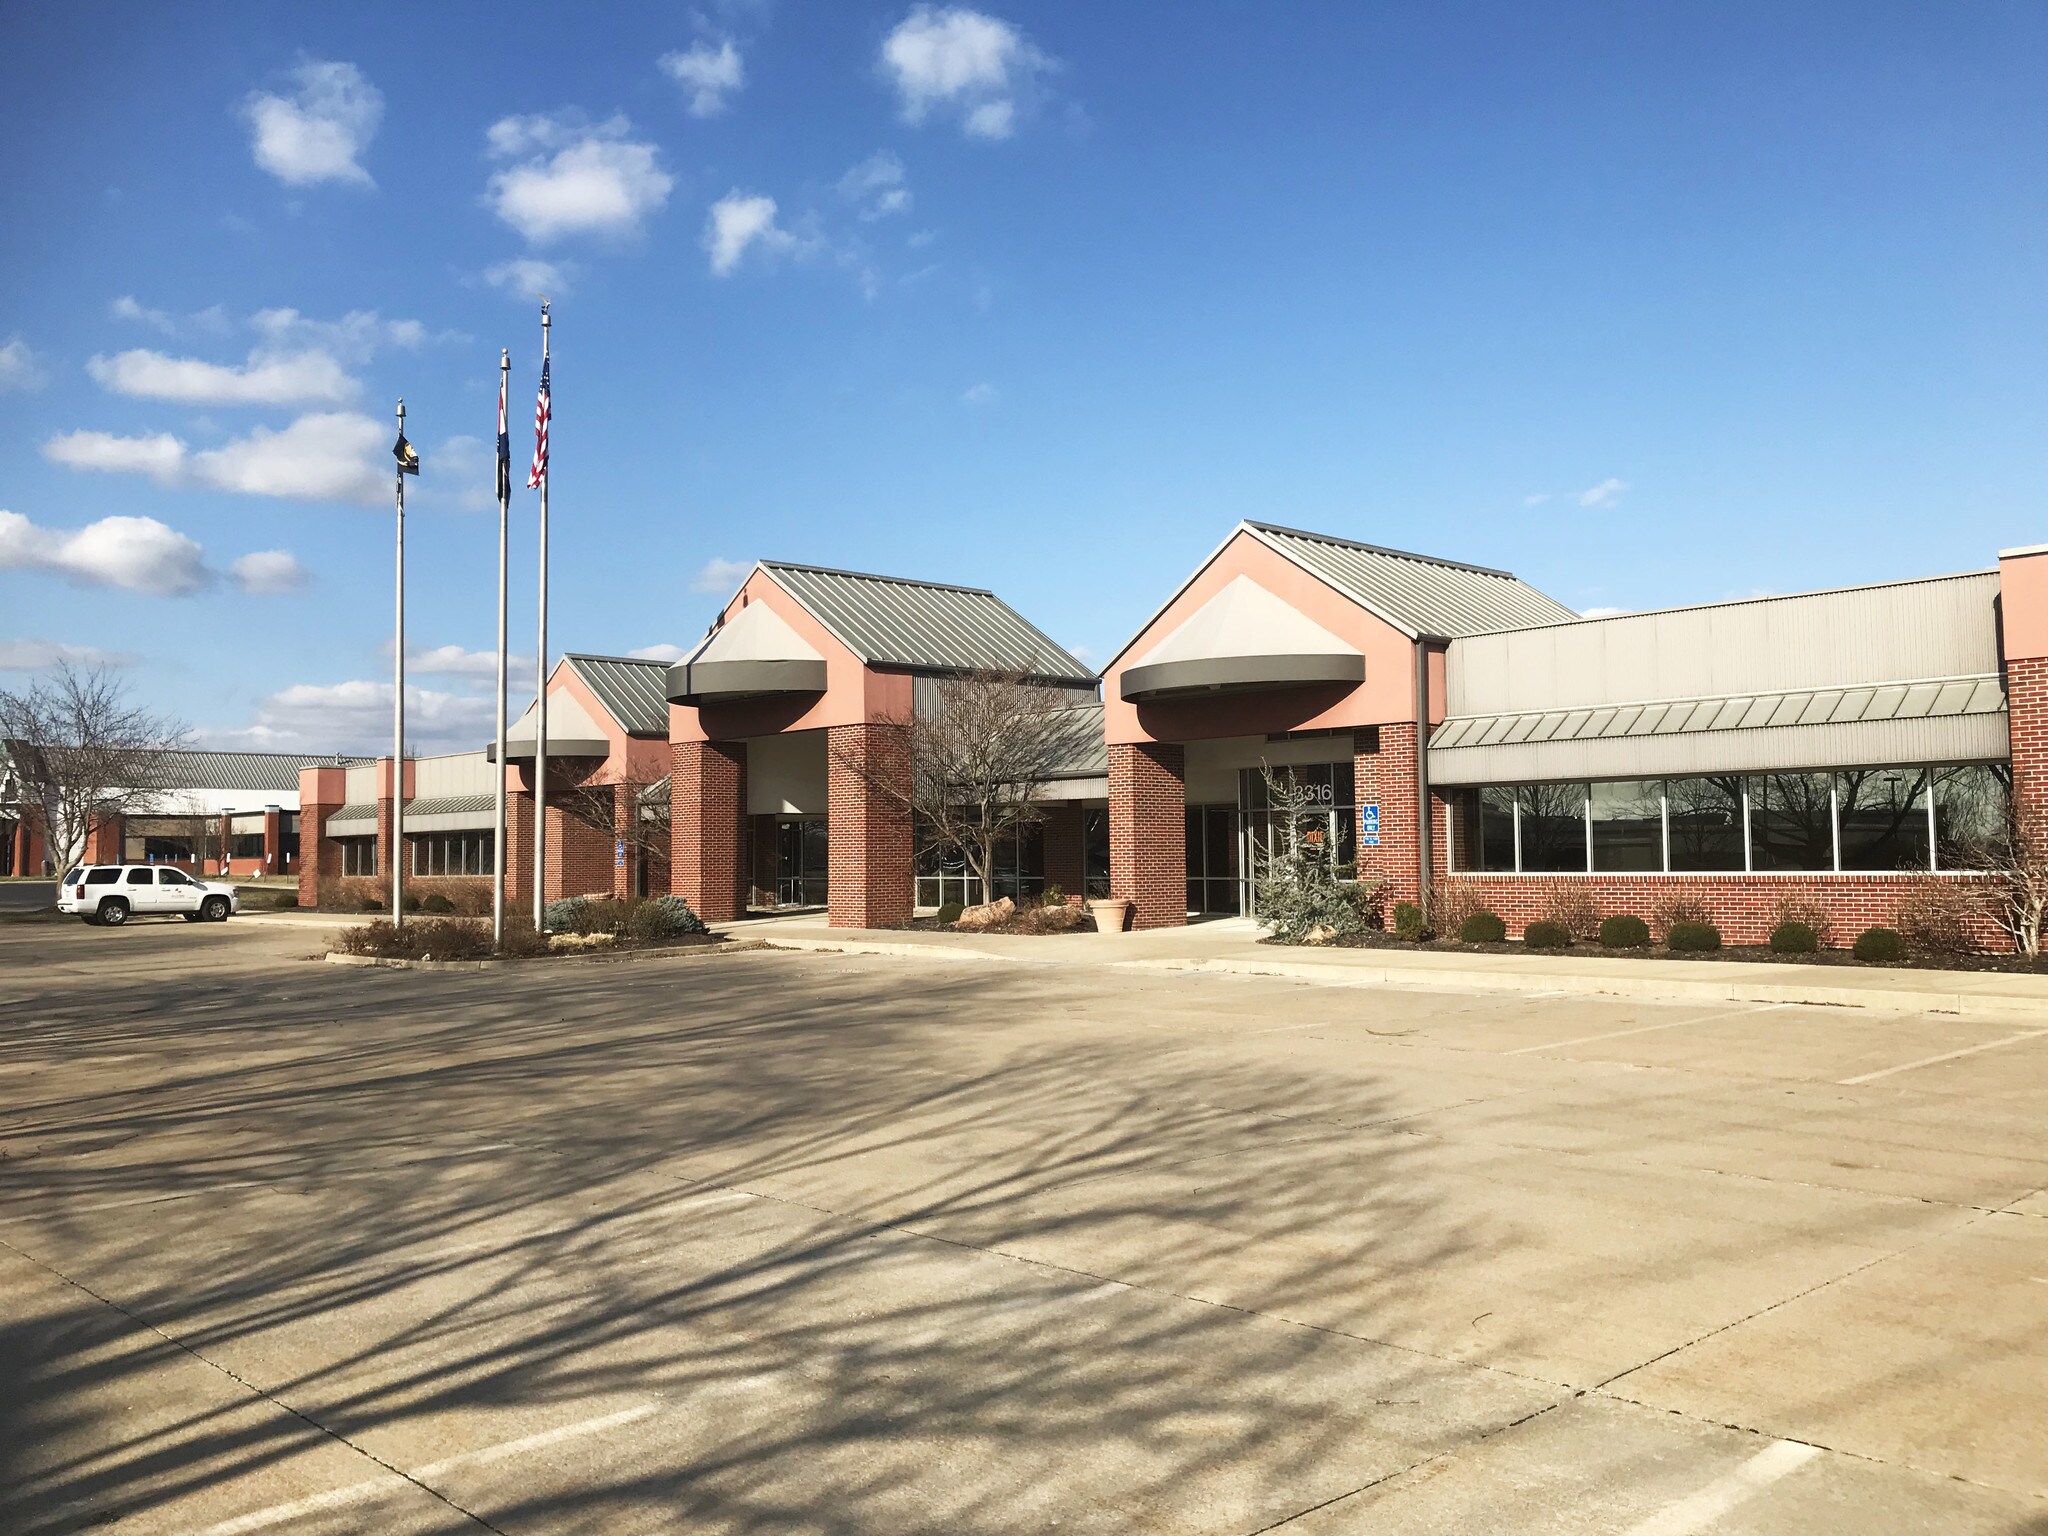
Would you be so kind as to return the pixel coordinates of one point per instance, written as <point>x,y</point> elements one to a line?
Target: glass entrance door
<point>1330,820</point>
<point>801,851</point>
<point>1214,883</point>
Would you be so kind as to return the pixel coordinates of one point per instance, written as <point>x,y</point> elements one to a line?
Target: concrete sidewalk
<point>1231,946</point>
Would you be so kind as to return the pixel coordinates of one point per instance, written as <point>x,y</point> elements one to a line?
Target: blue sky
<point>1649,304</point>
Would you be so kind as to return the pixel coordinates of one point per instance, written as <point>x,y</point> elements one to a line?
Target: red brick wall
<point>1061,833</point>
<point>868,865</point>
<point>386,854</point>
<point>1148,850</point>
<point>518,852</point>
<point>707,814</point>
<point>580,859</point>
<point>1383,764</point>
<point>1743,907</point>
<point>2026,694</point>
<point>319,854</point>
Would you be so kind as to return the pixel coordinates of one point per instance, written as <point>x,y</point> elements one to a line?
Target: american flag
<point>539,472</point>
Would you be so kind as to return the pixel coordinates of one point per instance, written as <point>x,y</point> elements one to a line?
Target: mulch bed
<point>1373,939</point>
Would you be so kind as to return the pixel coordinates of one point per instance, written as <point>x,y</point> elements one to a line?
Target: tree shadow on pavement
<point>844,1247</point>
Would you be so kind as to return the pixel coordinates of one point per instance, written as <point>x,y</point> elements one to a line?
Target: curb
<point>878,947</point>
<point>627,957</point>
<point>1731,989</point>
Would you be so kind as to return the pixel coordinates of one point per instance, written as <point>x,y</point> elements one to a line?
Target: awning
<point>353,821</point>
<point>571,733</point>
<point>756,653</point>
<point>1243,638</point>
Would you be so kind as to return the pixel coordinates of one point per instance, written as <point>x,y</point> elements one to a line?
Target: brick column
<point>625,811</point>
<point>579,851</point>
<point>518,852</point>
<point>273,842</point>
<point>868,866</point>
<point>707,812</point>
<point>1148,847</point>
<point>319,854</point>
<point>103,842</point>
<point>1065,859</point>
<point>1383,767</point>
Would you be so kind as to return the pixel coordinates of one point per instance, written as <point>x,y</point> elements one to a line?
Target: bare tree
<point>982,748</point>
<point>2015,864</point>
<point>82,753</point>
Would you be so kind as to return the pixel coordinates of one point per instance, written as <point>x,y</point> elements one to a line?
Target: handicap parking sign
<point>1369,825</point>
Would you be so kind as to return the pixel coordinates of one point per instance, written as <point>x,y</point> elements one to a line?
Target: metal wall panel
<point>1940,627</point>
<point>1862,743</point>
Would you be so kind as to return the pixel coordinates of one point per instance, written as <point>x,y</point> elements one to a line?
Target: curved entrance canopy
<point>757,653</point>
<point>1243,638</point>
<point>571,732</point>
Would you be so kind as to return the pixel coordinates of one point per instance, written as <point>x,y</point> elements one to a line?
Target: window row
<point>1851,819</point>
<point>358,855</point>
<point>453,853</point>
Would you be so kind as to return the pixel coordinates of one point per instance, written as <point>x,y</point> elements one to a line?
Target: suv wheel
<point>214,909</point>
<point>113,912</point>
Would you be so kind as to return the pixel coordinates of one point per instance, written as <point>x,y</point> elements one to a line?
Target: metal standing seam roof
<point>246,772</point>
<point>634,692</point>
<point>923,626</point>
<point>1418,594</point>
<point>1928,698</point>
<point>1084,751</point>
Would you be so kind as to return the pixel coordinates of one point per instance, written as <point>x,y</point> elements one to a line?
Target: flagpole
<point>504,519</point>
<point>540,661</point>
<point>398,710</point>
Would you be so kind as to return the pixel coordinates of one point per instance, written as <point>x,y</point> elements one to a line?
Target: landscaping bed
<point>576,926</point>
<point>1740,953</point>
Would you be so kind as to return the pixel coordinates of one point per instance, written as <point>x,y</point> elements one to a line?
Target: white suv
<point>110,894</point>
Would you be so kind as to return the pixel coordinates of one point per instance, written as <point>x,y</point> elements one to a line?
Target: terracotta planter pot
<point>1110,916</point>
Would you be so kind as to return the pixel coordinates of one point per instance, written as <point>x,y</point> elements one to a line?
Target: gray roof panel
<point>921,626</point>
<point>1419,594</point>
<point>255,772</point>
<point>633,692</point>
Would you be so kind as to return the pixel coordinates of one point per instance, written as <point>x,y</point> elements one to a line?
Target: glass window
<point>1095,851</point>
<point>171,877</point>
<point>102,876</point>
<point>1882,816</point>
<point>1972,807</point>
<point>1484,835</point>
<point>1706,823</point>
<point>1628,825</point>
<point>1791,821</point>
<point>1553,828</point>
<point>138,877</point>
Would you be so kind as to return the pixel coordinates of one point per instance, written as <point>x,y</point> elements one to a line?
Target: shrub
<point>1810,911</point>
<point>1794,938</point>
<point>1482,928</point>
<point>566,915</point>
<point>1369,898</point>
<point>1408,923</point>
<point>662,917</point>
<point>1625,931</point>
<point>1693,938</point>
<point>1934,916</point>
<point>1544,934</point>
<point>410,902</point>
<point>438,938</point>
<point>949,914</point>
<point>1451,902</point>
<point>521,942</point>
<point>1296,879</point>
<point>1672,911</point>
<point>1570,905</point>
<point>1879,944</point>
<point>437,903</point>
<point>1052,896</point>
<point>369,904</point>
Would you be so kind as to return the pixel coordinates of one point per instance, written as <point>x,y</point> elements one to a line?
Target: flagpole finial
<point>401,410</point>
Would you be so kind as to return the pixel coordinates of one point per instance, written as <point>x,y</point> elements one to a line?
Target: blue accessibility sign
<point>1369,825</point>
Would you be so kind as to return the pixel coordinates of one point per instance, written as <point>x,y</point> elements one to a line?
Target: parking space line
<point>1644,1029</point>
<point>1929,1061</point>
<point>1702,1509</point>
<point>382,1487</point>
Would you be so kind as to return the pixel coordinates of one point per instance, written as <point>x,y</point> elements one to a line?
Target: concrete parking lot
<point>832,1243</point>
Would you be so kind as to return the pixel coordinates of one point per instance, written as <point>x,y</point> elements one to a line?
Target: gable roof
<point>1420,595</point>
<point>632,691</point>
<point>272,773</point>
<point>924,626</point>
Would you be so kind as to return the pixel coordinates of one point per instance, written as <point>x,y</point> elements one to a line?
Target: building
<point>1463,727</point>
<point>1462,730</point>
<point>215,813</point>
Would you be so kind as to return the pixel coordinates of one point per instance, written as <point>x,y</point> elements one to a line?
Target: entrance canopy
<point>571,732</point>
<point>1243,638</point>
<point>756,653</point>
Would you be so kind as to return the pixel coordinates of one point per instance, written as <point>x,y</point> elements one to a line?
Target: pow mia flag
<point>408,457</point>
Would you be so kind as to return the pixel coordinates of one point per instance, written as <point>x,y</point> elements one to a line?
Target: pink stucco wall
<point>2023,605</point>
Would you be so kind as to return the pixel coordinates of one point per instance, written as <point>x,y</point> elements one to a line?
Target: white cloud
<point>315,134</point>
<point>981,394</point>
<point>737,221</point>
<point>709,74</point>
<point>212,320</point>
<point>297,378</point>
<point>20,368</point>
<point>34,655</point>
<point>577,179</point>
<point>963,61</point>
<point>462,472</point>
<point>1536,499</point>
<point>668,653</point>
<point>161,457</point>
<point>1605,494</point>
<point>357,336</point>
<point>720,577</point>
<point>356,717</point>
<point>268,571</point>
<point>454,661</point>
<point>326,456</point>
<point>1601,613</point>
<point>137,554</point>
<point>876,187</point>
<point>523,277</point>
